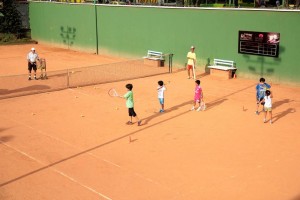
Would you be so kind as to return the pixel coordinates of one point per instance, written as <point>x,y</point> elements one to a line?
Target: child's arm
<point>267,85</point>
<point>159,88</point>
<point>263,100</point>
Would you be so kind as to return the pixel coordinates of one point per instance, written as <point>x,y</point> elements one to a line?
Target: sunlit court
<point>72,142</point>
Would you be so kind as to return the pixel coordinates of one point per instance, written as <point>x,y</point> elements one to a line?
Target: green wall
<point>131,31</point>
<point>66,25</point>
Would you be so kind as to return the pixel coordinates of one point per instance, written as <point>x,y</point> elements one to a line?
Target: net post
<point>170,62</point>
<point>68,78</point>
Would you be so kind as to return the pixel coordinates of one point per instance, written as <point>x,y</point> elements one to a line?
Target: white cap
<point>192,47</point>
<point>32,49</point>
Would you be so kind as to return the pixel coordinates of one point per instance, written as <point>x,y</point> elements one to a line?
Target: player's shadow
<point>6,138</point>
<point>214,103</point>
<point>206,70</point>
<point>24,89</point>
<point>147,119</point>
<point>279,103</point>
<point>296,198</point>
<point>201,75</point>
<point>209,106</point>
<point>278,116</point>
<point>116,139</point>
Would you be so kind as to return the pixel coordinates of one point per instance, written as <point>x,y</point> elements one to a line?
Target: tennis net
<point>18,85</point>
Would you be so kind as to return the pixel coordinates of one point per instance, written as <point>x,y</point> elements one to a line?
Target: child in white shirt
<point>268,105</point>
<point>160,94</point>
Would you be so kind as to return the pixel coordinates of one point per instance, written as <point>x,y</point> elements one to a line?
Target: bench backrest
<point>219,62</point>
<point>154,54</point>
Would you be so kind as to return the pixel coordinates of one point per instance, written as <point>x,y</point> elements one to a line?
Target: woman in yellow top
<point>191,62</point>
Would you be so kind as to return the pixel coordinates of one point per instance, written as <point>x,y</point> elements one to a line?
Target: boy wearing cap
<point>191,56</point>
<point>32,57</point>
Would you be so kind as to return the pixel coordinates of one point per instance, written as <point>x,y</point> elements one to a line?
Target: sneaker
<point>35,78</point>
<point>129,123</point>
<point>188,77</point>
<point>256,112</point>
<point>204,107</point>
<point>161,111</point>
<point>199,109</point>
<point>29,78</point>
<point>193,108</point>
<point>139,122</point>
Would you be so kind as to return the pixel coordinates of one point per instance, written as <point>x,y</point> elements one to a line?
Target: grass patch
<point>9,38</point>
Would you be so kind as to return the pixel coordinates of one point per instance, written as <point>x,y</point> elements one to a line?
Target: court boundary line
<point>48,167</point>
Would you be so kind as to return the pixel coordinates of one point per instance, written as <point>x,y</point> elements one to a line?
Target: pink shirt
<point>198,92</point>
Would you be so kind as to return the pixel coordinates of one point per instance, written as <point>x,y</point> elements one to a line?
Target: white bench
<point>154,58</point>
<point>222,68</point>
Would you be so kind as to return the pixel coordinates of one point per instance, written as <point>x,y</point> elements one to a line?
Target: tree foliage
<point>10,22</point>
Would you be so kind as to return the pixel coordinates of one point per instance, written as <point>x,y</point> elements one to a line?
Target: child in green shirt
<point>129,104</point>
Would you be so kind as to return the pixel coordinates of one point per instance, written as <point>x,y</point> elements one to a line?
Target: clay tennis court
<point>74,143</point>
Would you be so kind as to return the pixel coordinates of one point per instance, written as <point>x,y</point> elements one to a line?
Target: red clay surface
<point>74,144</point>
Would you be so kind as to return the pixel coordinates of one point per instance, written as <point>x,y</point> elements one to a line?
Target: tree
<point>11,20</point>
<point>297,3</point>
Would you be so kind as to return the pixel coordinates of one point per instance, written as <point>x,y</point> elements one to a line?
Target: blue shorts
<point>161,100</point>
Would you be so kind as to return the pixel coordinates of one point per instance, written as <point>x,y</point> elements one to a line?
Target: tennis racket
<point>113,93</point>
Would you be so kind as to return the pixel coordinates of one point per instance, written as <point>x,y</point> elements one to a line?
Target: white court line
<point>64,142</point>
<point>75,147</point>
<point>109,162</point>
<point>56,170</point>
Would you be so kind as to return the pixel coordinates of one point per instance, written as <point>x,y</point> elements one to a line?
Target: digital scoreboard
<point>259,43</point>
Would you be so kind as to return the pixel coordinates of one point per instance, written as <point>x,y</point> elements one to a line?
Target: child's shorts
<point>268,109</point>
<point>161,100</point>
<point>131,112</point>
<point>189,67</point>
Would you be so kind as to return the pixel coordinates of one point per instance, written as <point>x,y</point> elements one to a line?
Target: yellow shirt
<point>191,57</point>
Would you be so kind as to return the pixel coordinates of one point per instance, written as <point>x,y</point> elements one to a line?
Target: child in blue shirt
<point>261,89</point>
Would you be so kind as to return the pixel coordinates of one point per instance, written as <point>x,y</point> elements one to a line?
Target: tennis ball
<point>82,115</point>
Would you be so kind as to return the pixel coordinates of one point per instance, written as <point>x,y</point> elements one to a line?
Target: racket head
<point>112,92</point>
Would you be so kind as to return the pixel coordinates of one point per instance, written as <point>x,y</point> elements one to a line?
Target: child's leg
<point>130,113</point>
<point>136,117</point>
<point>193,107</point>
<point>130,120</point>
<point>161,102</point>
<point>189,68</point>
<point>270,116</point>
<point>265,117</point>
<point>199,107</point>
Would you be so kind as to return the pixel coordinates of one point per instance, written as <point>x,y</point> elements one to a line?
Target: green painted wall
<point>66,25</point>
<point>131,31</point>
